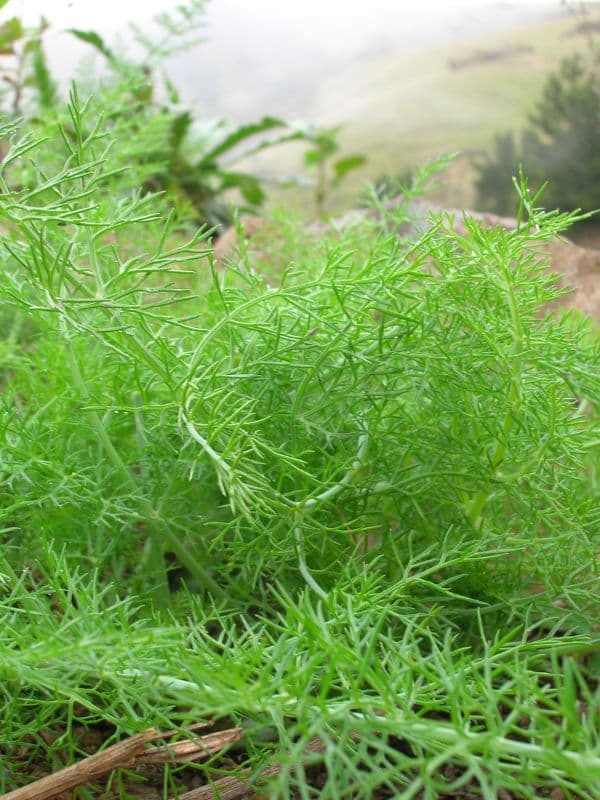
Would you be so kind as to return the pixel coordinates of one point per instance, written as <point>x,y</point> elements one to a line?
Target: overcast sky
<point>260,52</point>
<point>340,25</point>
<point>110,13</point>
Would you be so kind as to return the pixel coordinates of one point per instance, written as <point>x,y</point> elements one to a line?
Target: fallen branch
<point>122,754</point>
<point>188,750</point>
<point>130,752</point>
<point>233,788</point>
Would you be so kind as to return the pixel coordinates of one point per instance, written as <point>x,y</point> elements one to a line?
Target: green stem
<point>161,587</point>
<point>159,531</point>
<point>321,189</point>
<point>478,503</point>
<point>191,563</point>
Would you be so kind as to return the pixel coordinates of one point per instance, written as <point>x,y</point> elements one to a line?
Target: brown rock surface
<point>580,268</point>
<point>227,243</point>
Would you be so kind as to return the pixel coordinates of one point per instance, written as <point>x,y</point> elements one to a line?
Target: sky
<point>111,13</point>
<point>342,26</point>
<point>260,52</point>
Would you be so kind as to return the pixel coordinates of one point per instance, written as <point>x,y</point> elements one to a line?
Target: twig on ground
<point>122,754</point>
<point>189,750</point>
<point>129,753</point>
<point>233,788</point>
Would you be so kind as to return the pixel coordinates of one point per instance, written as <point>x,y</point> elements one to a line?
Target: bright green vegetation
<point>157,414</point>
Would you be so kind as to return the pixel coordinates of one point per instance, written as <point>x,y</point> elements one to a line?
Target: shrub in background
<point>559,146</point>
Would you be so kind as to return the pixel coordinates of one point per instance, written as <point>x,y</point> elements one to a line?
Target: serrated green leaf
<point>172,91</point>
<point>269,142</point>
<point>93,39</point>
<point>10,31</point>
<point>179,127</point>
<point>249,186</point>
<point>345,165</point>
<point>312,157</point>
<point>240,134</point>
<point>252,191</point>
<point>42,78</point>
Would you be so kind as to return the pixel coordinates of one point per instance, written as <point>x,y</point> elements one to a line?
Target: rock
<point>227,243</point>
<point>579,268</point>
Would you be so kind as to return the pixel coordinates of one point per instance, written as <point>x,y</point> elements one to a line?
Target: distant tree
<point>561,145</point>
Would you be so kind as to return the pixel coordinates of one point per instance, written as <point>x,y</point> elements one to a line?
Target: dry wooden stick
<point>122,754</point>
<point>197,726</point>
<point>132,752</point>
<point>189,750</point>
<point>128,753</point>
<point>234,788</point>
<point>223,789</point>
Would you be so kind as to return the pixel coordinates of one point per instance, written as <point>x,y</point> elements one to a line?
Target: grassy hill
<point>402,109</point>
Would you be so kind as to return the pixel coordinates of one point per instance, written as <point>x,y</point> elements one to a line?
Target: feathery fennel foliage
<point>155,411</point>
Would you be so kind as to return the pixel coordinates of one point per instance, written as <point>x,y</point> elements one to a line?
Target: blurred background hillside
<point>406,82</point>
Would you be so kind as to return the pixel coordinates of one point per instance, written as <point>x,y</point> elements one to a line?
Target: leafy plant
<point>28,84</point>
<point>323,145</point>
<point>196,163</point>
<point>393,190</point>
<point>200,163</point>
<point>409,391</point>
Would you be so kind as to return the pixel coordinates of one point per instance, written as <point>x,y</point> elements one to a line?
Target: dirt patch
<point>493,54</point>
